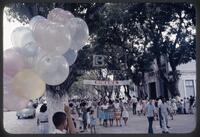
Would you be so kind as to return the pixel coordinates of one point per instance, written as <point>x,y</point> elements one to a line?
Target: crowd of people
<point>86,114</point>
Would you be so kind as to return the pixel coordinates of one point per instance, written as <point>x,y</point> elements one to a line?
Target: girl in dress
<point>105,111</point>
<point>125,114</point>
<point>92,122</point>
<point>117,112</point>
<point>139,107</point>
<point>111,112</point>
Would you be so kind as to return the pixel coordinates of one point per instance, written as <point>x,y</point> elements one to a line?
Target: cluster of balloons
<point>41,54</point>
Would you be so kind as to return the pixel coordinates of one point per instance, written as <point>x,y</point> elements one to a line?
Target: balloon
<point>23,39</point>
<point>14,102</point>
<point>53,70</point>
<point>35,20</point>
<point>70,56</point>
<point>52,37</point>
<point>28,84</point>
<point>59,16</point>
<point>12,62</point>
<point>10,100</point>
<point>79,32</point>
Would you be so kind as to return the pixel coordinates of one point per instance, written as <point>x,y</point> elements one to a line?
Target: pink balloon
<point>13,102</point>
<point>12,62</point>
<point>10,100</point>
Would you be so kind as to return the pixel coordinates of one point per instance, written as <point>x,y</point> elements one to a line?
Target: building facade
<point>155,87</point>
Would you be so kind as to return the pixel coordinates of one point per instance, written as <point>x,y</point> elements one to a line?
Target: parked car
<point>28,112</point>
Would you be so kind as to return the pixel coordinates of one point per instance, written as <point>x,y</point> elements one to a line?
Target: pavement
<point>136,125</point>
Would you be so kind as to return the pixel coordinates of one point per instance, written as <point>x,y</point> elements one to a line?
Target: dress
<point>111,112</point>
<point>105,111</point>
<point>117,111</point>
<point>43,122</point>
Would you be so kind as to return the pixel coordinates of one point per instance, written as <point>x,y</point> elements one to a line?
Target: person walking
<point>92,122</point>
<point>117,112</point>
<point>42,119</point>
<point>150,112</point>
<point>134,100</point>
<point>125,114</point>
<point>139,108</point>
<point>164,111</point>
<point>111,112</point>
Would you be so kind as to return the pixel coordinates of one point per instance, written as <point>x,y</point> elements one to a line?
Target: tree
<point>168,20</point>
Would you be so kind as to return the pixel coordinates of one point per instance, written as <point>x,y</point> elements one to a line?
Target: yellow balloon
<point>28,84</point>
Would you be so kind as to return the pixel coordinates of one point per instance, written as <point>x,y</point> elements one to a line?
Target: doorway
<point>152,90</point>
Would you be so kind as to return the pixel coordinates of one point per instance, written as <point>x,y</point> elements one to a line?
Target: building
<point>187,82</point>
<point>155,87</point>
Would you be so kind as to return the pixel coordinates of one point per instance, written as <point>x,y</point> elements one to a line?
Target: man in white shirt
<point>134,100</point>
<point>164,111</point>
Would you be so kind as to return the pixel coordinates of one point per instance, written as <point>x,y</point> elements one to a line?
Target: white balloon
<point>59,16</point>
<point>53,70</point>
<point>18,34</point>
<point>71,56</point>
<point>23,40</point>
<point>35,20</point>
<point>52,37</point>
<point>79,32</point>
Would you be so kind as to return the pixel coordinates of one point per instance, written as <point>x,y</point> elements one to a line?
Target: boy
<point>63,122</point>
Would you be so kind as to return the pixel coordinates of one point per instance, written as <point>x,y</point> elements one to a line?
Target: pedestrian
<point>42,119</point>
<point>187,105</point>
<point>92,122</point>
<point>159,113</point>
<point>150,112</point>
<point>134,100</point>
<point>164,111</point>
<point>156,109</point>
<point>125,114</point>
<point>117,112</point>
<point>139,108</point>
<point>105,111</point>
<point>84,110</point>
<point>88,118</point>
<point>63,122</point>
<point>111,109</point>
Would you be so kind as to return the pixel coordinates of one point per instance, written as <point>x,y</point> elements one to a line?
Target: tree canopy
<point>130,35</point>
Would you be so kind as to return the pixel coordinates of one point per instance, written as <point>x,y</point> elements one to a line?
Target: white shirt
<point>164,108</point>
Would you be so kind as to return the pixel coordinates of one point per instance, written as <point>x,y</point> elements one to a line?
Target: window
<point>189,86</point>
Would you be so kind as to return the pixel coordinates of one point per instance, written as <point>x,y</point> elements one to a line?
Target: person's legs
<point>125,121</point>
<point>150,119</point>
<point>164,124</point>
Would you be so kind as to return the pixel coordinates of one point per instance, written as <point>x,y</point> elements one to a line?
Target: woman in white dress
<point>139,108</point>
<point>42,119</point>
<point>125,114</point>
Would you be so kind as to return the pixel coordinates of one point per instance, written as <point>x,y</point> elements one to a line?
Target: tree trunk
<point>55,103</point>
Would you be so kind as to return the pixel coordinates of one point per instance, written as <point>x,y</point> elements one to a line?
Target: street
<point>136,124</point>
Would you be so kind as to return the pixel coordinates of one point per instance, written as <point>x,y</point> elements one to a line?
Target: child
<point>59,120</point>
<point>88,118</point>
<point>92,122</point>
<point>125,115</point>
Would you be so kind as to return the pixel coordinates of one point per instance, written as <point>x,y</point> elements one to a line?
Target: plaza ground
<point>136,125</point>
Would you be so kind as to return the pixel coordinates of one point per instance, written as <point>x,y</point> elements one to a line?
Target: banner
<point>106,82</point>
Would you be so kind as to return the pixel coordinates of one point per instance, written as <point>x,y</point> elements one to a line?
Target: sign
<point>106,82</point>
<point>98,60</point>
